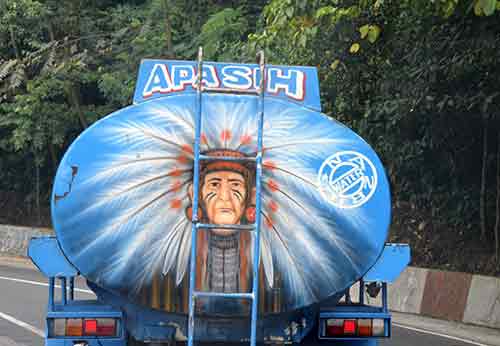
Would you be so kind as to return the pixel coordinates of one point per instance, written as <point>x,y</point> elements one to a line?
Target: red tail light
<point>350,327</point>
<point>90,327</point>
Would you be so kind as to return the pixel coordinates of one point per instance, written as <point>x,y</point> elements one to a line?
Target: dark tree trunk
<point>50,28</point>
<point>74,96</point>
<point>497,209</point>
<point>168,30</point>
<point>14,43</point>
<point>53,157</point>
<point>482,196</point>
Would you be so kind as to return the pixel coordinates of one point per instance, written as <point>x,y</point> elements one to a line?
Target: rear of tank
<point>122,208</point>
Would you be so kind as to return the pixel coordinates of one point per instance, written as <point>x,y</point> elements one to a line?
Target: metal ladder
<point>197,225</point>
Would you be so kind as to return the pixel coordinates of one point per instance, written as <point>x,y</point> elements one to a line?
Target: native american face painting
<point>223,196</point>
<point>227,193</point>
<point>123,219</point>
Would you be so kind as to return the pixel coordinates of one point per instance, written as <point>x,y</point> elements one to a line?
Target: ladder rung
<point>230,90</point>
<point>228,158</point>
<point>223,295</point>
<point>250,227</point>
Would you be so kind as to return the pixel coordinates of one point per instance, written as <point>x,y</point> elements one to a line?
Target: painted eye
<point>214,185</point>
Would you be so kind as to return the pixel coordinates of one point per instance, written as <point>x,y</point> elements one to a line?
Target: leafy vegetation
<point>417,79</point>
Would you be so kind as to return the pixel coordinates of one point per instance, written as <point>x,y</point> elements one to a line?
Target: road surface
<point>23,302</point>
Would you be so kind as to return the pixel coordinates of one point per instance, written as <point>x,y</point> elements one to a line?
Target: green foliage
<point>438,116</point>
<point>222,32</point>
<point>417,79</point>
<point>485,7</point>
<point>66,63</point>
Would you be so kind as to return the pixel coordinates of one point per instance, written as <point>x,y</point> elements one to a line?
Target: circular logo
<point>347,179</point>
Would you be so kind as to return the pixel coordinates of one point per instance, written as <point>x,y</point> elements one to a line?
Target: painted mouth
<point>225,210</point>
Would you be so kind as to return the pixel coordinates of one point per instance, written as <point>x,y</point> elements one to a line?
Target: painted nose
<point>224,192</point>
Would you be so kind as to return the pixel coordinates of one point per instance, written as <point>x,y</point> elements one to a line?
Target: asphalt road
<point>26,302</point>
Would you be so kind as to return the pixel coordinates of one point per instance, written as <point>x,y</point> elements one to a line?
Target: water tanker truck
<point>222,206</point>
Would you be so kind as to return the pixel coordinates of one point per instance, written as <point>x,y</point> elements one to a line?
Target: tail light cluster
<point>103,327</point>
<point>345,328</point>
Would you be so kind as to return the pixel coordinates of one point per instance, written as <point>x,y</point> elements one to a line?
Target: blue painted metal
<point>384,297</point>
<point>48,257</point>
<point>338,313</point>
<point>51,293</point>
<point>258,202</point>
<point>146,324</point>
<point>347,242</point>
<point>279,80</point>
<point>351,225</point>
<point>223,295</point>
<point>196,183</point>
<point>361,291</point>
<point>349,239</point>
<point>219,158</point>
<point>354,312</point>
<point>90,342</point>
<point>253,296</point>
<point>80,312</point>
<point>390,264</point>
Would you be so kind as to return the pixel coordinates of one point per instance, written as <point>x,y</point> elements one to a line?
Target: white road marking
<point>22,324</point>
<point>38,283</point>
<point>439,334</point>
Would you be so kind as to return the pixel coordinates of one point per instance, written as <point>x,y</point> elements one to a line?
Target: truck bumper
<point>85,342</point>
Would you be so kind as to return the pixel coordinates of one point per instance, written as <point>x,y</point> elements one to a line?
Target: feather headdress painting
<point>122,201</point>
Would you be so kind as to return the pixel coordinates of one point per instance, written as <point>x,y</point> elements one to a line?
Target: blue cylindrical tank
<point>122,204</point>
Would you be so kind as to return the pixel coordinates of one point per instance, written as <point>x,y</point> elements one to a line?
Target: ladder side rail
<point>258,191</point>
<point>51,293</point>
<point>194,217</point>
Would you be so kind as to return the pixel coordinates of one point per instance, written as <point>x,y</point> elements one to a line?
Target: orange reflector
<point>90,327</point>
<point>350,327</point>
<point>365,327</point>
<point>74,327</point>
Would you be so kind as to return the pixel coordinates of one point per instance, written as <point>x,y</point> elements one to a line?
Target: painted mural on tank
<point>122,203</point>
